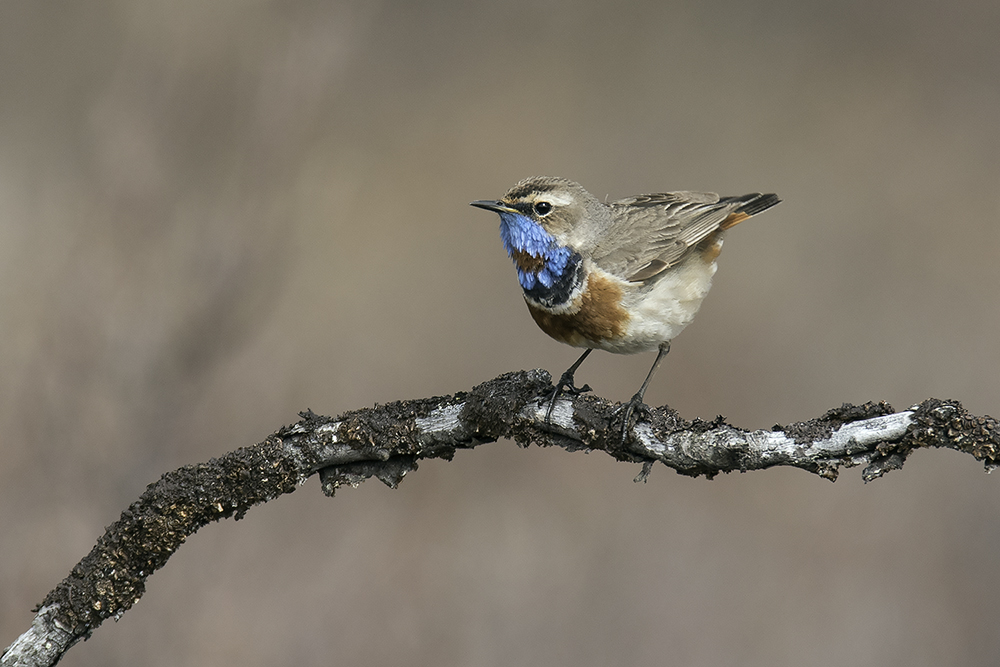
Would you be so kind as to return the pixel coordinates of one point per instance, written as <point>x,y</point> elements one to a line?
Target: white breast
<point>661,311</point>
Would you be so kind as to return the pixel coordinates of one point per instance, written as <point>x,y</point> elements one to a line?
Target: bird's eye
<point>543,208</point>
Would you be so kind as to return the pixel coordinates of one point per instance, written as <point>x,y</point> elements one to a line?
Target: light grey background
<point>215,214</point>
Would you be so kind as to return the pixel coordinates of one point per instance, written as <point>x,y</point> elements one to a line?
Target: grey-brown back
<point>648,234</point>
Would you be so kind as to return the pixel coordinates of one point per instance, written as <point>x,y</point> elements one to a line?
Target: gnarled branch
<point>387,441</point>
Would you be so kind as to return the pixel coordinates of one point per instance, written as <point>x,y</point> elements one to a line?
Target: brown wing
<point>648,234</point>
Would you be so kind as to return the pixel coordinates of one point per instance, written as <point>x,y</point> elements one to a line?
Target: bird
<point>625,276</point>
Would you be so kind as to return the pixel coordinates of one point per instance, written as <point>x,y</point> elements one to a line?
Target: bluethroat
<point>625,276</point>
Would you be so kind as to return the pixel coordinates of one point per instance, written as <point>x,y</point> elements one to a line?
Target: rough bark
<point>387,441</point>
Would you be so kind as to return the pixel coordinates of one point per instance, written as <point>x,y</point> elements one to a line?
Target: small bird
<point>625,276</point>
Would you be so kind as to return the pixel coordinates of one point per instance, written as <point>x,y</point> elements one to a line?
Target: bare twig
<point>387,441</point>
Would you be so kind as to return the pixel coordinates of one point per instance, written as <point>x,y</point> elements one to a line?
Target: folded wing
<point>648,234</point>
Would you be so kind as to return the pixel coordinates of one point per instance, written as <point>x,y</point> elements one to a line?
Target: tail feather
<point>750,205</point>
<point>756,203</point>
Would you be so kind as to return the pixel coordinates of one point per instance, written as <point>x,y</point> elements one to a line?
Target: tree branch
<point>387,441</point>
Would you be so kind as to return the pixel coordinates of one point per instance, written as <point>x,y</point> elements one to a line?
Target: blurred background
<point>214,215</point>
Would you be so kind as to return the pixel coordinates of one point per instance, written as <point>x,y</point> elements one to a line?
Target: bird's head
<point>557,205</point>
<point>540,218</point>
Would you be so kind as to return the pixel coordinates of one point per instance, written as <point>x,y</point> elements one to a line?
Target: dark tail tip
<point>756,203</point>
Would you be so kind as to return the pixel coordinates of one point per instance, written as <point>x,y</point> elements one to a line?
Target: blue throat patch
<point>520,233</point>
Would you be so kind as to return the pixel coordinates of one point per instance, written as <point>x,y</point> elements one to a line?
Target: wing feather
<point>648,234</point>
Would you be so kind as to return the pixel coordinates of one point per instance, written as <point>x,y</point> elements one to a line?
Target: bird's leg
<point>566,383</point>
<point>636,401</point>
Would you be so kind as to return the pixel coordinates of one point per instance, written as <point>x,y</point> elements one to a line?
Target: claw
<point>635,403</point>
<point>566,384</point>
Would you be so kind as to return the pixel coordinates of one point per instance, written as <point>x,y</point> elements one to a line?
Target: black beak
<point>492,205</point>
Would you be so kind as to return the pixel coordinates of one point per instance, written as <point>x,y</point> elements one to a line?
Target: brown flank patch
<point>599,318</point>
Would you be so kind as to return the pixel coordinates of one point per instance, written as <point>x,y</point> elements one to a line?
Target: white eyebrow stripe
<point>559,199</point>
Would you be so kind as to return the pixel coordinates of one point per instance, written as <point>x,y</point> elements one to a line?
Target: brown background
<point>215,214</point>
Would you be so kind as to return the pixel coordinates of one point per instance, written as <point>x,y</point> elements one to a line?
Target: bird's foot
<point>565,386</point>
<point>634,405</point>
